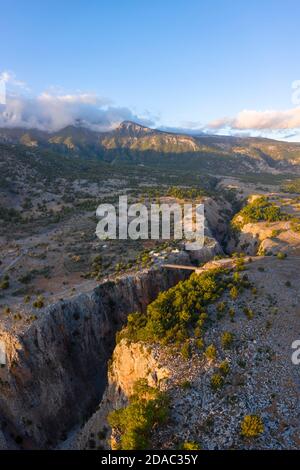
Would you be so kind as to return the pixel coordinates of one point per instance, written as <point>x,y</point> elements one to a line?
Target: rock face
<point>134,361</point>
<point>265,238</point>
<point>130,362</point>
<point>56,370</point>
<point>215,227</point>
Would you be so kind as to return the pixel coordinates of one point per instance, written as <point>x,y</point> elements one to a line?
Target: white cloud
<point>271,120</point>
<point>53,110</point>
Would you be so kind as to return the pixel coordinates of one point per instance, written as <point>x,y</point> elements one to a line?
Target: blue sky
<point>174,63</point>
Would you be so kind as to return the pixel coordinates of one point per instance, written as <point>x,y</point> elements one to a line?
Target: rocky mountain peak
<point>133,129</point>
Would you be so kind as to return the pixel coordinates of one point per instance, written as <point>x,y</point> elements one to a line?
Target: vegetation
<point>234,293</point>
<point>9,214</point>
<point>249,313</point>
<point>224,368</point>
<point>134,423</point>
<point>39,302</point>
<point>185,193</point>
<point>292,186</point>
<point>186,350</point>
<point>261,209</point>
<point>227,339</point>
<point>211,352</point>
<point>190,445</point>
<point>252,426</point>
<point>175,313</point>
<point>4,284</point>
<point>216,381</point>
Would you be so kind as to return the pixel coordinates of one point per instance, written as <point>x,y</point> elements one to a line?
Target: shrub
<point>224,368</point>
<point>4,284</point>
<point>200,344</point>
<point>186,350</point>
<point>39,302</point>
<point>186,384</point>
<point>231,313</point>
<point>190,445</point>
<point>227,339</point>
<point>211,352</point>
<point>281,255</point>
<point>234,293</point>
<point>198,332</point>
<point>147,408</point>
<point>216,381</point>
<point>252,426</point>
<point>249,313</point>
<point>240,265</point>
<point>221,307</point>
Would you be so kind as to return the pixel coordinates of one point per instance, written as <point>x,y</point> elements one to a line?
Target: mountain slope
<point>131,142</point>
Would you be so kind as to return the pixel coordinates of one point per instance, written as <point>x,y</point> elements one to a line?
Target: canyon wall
<point>56,370</point>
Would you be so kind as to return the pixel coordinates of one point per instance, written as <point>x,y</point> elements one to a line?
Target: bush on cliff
<point>261,209</point>
<point>175,313</point>
<point>134,423</point>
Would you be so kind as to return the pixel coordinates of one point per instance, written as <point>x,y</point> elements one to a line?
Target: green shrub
<point>4,284</point>
<point>234,293</point>
<point>227,339</point>
<point>39,302</point>
<point>281,255</point>
<point>231,313</point>
<point>186,384</point>
<point>249,313</point>
<point>211,352</point>
<point>200,344</point>
<point>147,408</point>
<point>186,350</point>
<point>224,368</point>
<point>252,426</point>
<point>190,445</point>
<point>221,307</point>
<point>216,381</point>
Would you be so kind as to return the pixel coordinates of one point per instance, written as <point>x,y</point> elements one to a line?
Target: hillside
<point>133,143</point>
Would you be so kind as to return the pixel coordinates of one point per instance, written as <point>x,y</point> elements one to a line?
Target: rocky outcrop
<point>130,362</point>
<point>264,238</point>
<point>134,361</point>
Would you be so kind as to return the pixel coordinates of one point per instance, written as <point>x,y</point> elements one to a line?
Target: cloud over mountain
<point>52,110</point>
<point>260,120</point>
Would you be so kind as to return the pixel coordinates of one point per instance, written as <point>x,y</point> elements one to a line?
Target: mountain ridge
<point>134,142</point>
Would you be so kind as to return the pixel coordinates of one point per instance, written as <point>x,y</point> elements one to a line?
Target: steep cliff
<point>56,369</point>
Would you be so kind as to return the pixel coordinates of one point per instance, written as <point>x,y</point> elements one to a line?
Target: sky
<point>217,66</point>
